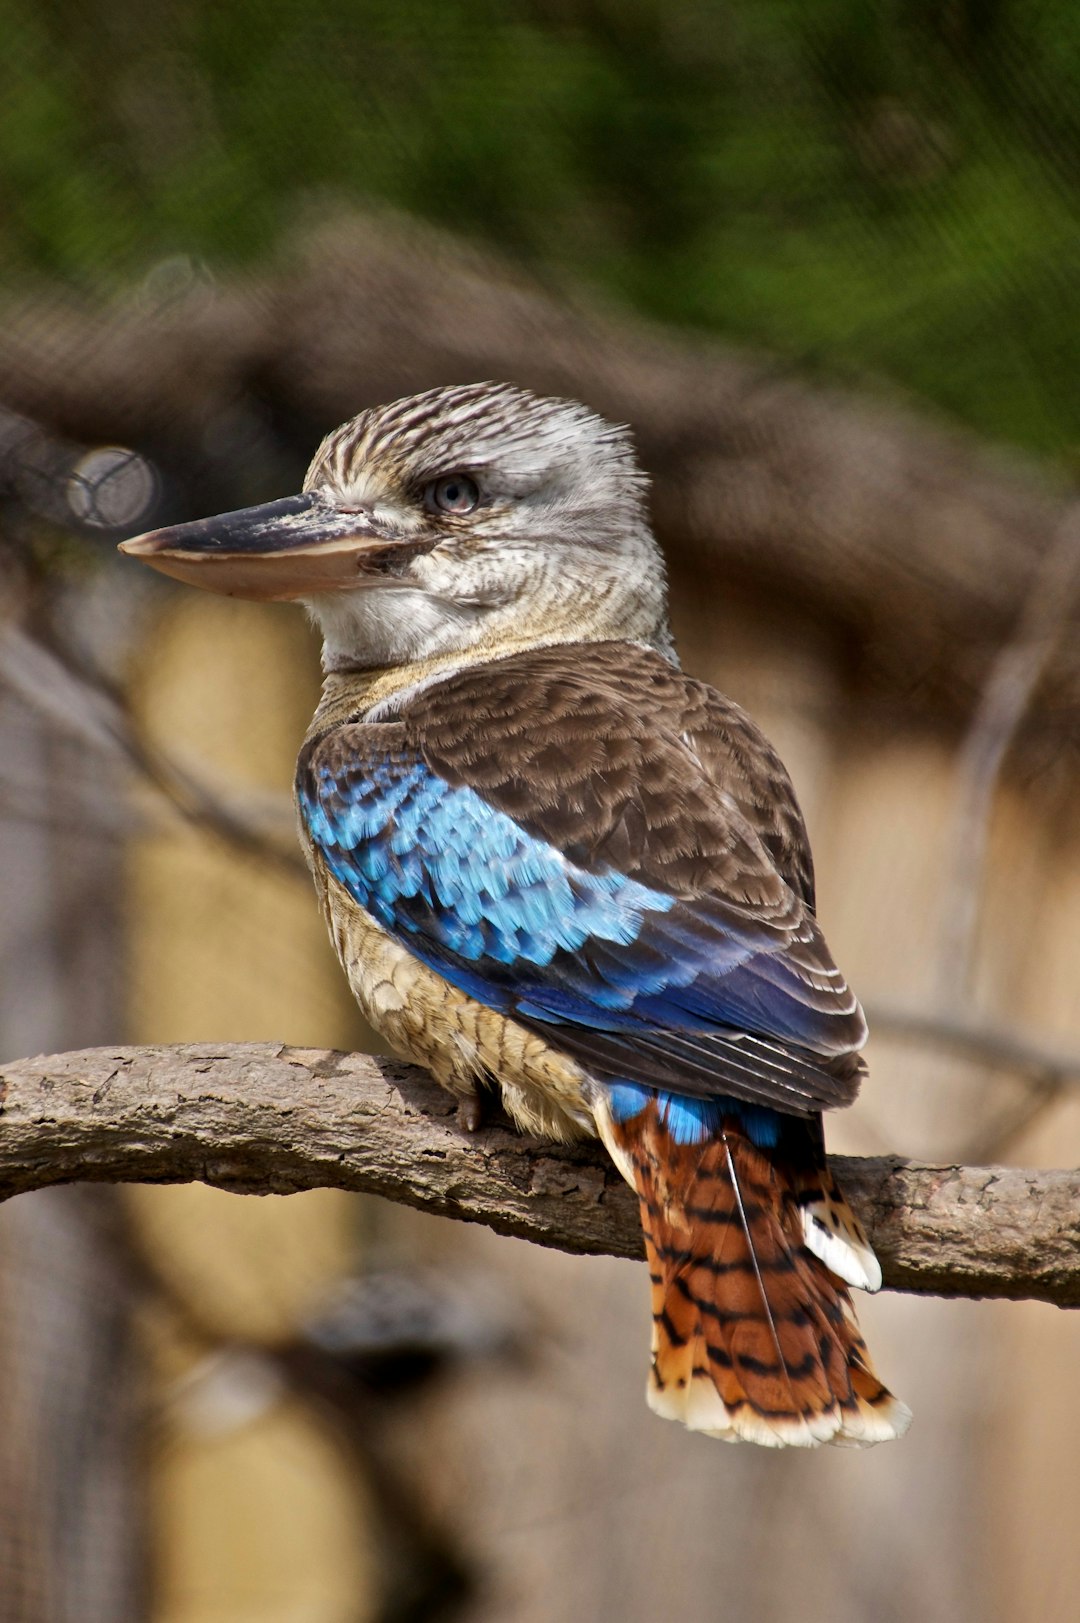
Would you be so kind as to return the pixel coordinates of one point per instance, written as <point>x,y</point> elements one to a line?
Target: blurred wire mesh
<point>217,1409</point>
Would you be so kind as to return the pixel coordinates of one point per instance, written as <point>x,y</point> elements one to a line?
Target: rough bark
<point>912,540</point>
<point>272,1120</point>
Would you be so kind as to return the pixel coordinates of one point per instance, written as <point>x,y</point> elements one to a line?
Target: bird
<point>555,865</point>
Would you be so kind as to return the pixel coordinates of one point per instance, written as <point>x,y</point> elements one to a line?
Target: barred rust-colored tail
<point>754,1338</point>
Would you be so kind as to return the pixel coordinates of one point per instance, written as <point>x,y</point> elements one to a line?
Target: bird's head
<point>478,517</point>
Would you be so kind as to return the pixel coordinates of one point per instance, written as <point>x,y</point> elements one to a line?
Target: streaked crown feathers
<point>523,443</point>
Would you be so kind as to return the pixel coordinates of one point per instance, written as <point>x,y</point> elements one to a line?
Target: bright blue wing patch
<point>441,867</point>
<point>511,922</point>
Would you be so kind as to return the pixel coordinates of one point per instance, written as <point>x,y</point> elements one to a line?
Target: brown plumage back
<point>753,1336</point>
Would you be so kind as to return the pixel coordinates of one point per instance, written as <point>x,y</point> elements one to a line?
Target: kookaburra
<point>554,864</point>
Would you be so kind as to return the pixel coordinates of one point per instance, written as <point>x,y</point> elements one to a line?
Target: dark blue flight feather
<point>697,995</point>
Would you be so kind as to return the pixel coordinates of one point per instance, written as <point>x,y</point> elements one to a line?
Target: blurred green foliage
<point>887,188</point>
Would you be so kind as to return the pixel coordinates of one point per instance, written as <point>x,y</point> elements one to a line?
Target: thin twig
<point>978,1040</point>
<point>82,704</point>
<point>1042,1072</point>
<point>1006,698</point>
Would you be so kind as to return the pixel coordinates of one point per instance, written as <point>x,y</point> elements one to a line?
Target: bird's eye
<point>456,493</point>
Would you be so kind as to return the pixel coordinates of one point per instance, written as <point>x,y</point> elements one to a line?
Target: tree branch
<point>267,1119</point>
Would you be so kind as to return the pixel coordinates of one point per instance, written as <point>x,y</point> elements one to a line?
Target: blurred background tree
<point>887,190</point>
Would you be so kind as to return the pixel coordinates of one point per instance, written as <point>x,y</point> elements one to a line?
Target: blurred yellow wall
<point>257,1515</point>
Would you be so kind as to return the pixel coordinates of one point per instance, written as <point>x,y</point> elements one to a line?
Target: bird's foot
<point>470,1112</point>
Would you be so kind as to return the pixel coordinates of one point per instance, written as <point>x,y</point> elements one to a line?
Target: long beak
<point>296,547</point>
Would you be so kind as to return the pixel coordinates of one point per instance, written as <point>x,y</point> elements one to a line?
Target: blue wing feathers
<point>507,918</point>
